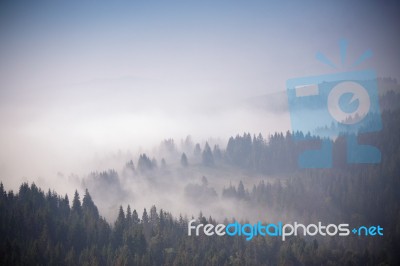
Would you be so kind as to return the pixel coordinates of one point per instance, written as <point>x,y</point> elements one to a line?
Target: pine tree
<point>217,153</point>
<point>119,227</point>
<point>135,217</point>
<point>240,191</point>
<point>88,206</point>
<point>153,216</point>
<point>144,163</point>
<point>197,150</point>
<point>184,160</point>
<point>128,216</point>
<point>129,165</point>
<point>121,217</point>
<point>207,157</point>
<point>145,217</point>
<point>76,203</point>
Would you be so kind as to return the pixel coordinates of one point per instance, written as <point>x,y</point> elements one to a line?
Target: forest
<point>45,228</point>
<point>40,228</point>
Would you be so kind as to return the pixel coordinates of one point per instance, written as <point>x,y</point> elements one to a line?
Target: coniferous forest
<point>191,133</point>
<point>45,228</point>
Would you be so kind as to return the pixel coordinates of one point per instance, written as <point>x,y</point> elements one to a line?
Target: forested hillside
<point>42,229</point>
<point>39,228</point>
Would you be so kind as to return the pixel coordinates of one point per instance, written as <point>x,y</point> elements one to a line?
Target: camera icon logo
<point>327,106</point>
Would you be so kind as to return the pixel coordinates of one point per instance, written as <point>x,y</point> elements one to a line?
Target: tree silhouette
<point>184,160</point>
<point>207,156</point>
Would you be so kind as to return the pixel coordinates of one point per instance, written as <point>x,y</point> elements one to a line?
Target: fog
<point>58,139</point>
<point>77,128</point>
<point>60,136</point>
<point>87,87</point>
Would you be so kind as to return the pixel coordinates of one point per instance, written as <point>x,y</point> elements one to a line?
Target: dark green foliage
<point>39,229</point>
<point>278,154</point>
<point>88,206</point>
<point>76,204</point>
<point>42,229</point>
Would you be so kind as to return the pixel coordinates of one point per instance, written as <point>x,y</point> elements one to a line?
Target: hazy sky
<point>80,77</point>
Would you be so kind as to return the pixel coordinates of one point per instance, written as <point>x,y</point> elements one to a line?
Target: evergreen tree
<point>197,150</point>
<point>76,203</point>
<point>184,160</point>
<point>40,228</point>
<point>217,154</point>
<point>121,217</point>
<point>88,206</point>
<point>129,220</point>
<point>129,165</point>
<point>207,157</point>
<point>135,217</point>
<point>119,227</point>
<point>145,217</point>
<point>144,163</point>
<point>240,191</point>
